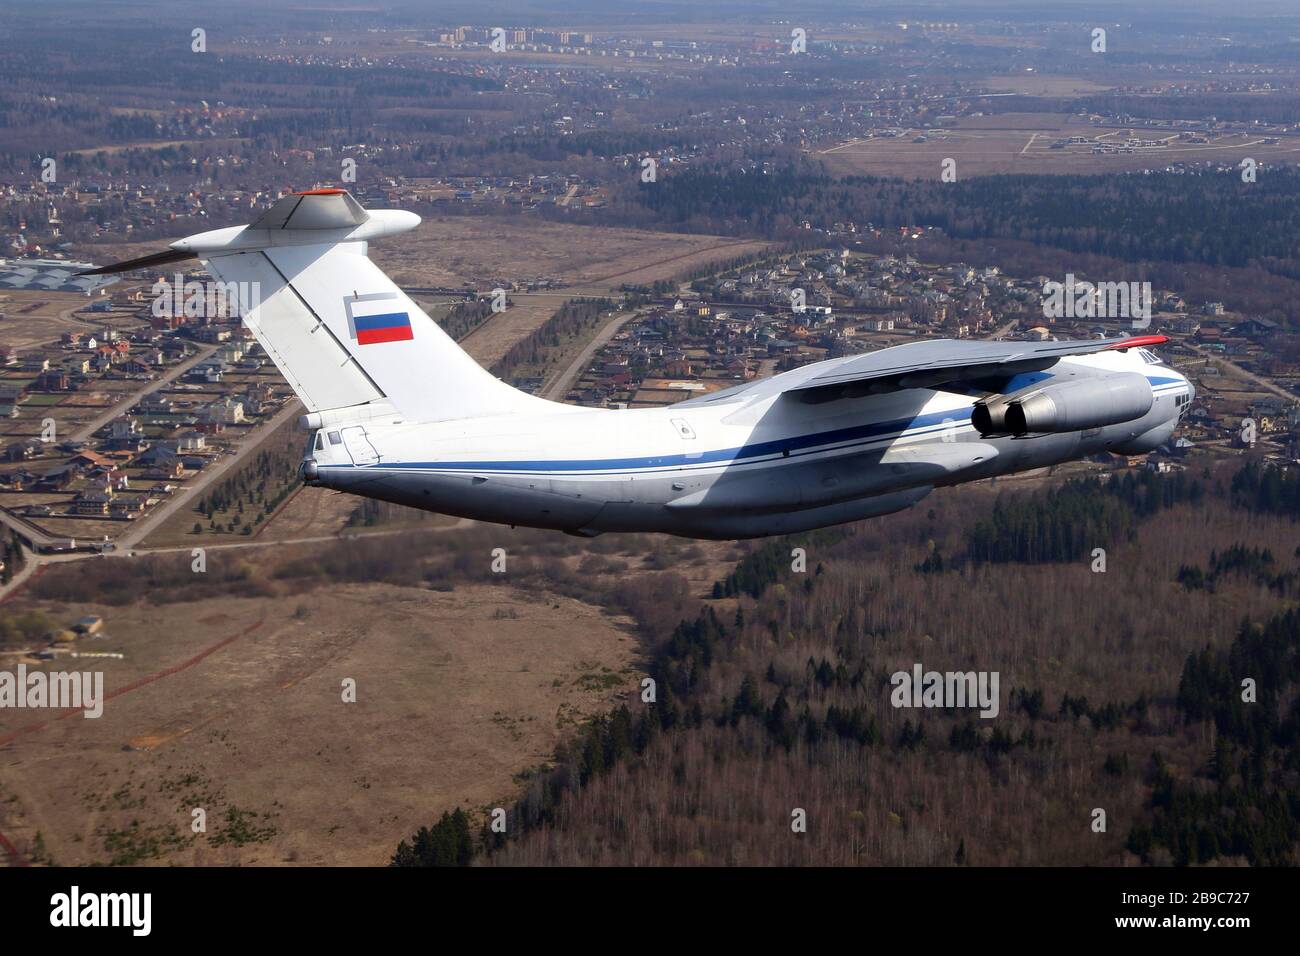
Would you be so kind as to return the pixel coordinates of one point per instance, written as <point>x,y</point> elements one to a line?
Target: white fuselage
<point>747,466</point>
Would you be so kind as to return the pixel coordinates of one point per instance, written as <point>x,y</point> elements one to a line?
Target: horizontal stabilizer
<point>314,209</point>
<point>144,262</point>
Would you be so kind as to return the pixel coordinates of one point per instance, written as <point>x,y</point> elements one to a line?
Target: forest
<point>772,696</point>
<point>1215,219</point>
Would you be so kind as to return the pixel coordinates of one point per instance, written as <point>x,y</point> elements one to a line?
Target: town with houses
<point>113,418</point>
<point>734,327</point>
<point>108,422</point>
<point>120,413</point>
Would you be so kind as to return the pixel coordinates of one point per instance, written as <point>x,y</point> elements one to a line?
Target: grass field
<point>456,692</point>
<point>1022,143</point>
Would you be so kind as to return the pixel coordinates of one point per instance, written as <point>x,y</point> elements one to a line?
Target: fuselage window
<point>336,438</point>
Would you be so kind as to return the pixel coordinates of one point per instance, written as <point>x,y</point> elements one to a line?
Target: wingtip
<point>1137,342</point>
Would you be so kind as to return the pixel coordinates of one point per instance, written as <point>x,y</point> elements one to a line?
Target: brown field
<point>491,340</point>
<point>233,704</point>
<point>1021,143</point>
<point>456,692</point>
<point>484,251</point>
<point>37,318</point>
<point>1041,84</point>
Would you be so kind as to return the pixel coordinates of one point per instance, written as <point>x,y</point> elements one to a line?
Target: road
<point>33,562</point>
<point>560,387</point>
<point>86,431</point>
<point>34,533</point>
<point>457,525</point>
<point>39,538</point>
<point>27,530</point>
<point>1239,372</point>
<point>127,544</point>
<point>184,496</point>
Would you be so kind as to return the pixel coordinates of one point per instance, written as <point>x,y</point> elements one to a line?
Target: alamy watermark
<point>1075,299</point>
<point>940,690</point>
<point>197,300</point>
<point>60,690</point>
<point>133,911</point>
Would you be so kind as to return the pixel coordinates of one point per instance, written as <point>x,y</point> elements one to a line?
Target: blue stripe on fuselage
<point>780,446</point>
<point>746,454</point>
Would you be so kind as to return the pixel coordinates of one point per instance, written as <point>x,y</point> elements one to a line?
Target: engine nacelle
<point>1087,403</point>
<point>1069,406</point>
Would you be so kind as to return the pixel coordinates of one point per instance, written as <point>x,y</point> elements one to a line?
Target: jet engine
<point>1067,407</point>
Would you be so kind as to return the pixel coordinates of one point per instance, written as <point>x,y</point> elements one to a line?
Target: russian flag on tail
<point>387,327</point>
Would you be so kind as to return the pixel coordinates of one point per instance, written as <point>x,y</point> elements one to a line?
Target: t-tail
<point>353,346</point>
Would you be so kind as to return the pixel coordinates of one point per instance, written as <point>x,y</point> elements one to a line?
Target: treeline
<point>537,561</point>
<point>447,843</point>
<point>574,318</point>
<point>604,143</point>
<point>1205,218</point>
<point>371,512</point>
<point>24,628</point>
<point>770,561</point>
<point>1267,488</point>
<point>1257,564</point>
<point>464,317</point>
<point>248,497</point>
<point>607,741</point>
<point>12,556</point>
<point>763,704</point>
<point>155,579</point>
<point>1278,107</point>
<point>1068,523</point>
<point>1243,801</point>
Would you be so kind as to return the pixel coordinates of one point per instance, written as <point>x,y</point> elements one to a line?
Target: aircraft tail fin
<point>340,331</point>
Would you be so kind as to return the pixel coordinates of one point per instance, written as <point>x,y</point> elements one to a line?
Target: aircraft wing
<point>929,364</point>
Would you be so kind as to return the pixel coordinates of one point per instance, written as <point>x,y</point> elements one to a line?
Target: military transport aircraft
<point>399,412</point>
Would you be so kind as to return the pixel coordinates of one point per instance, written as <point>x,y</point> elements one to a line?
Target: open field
<point>491,340</point>
<point>462,686</point>
<point>1043,84</point>
<point>239,710</point>
<point>463,689</point>
<point>484,251</point>
<point>1022,143</point>
<point>36,317</point>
